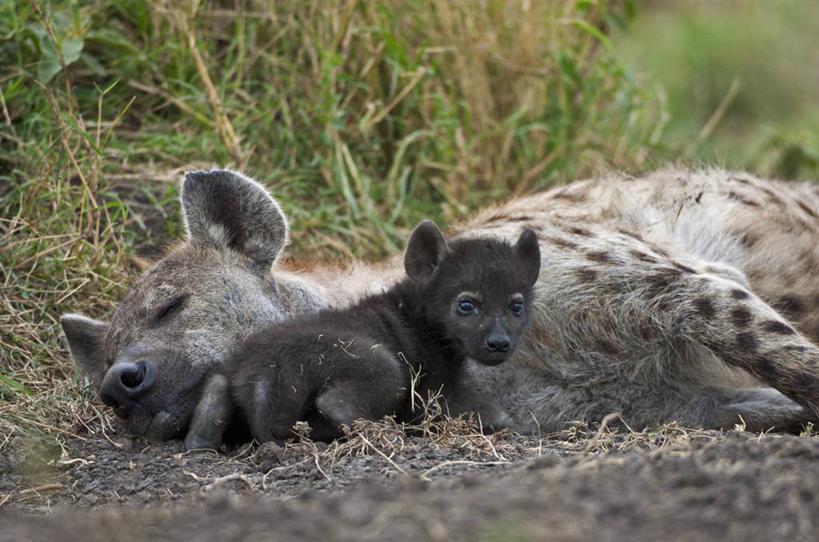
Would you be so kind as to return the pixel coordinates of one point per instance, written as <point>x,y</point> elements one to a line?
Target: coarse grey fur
<point>679,295</point>
<point>471,298</point>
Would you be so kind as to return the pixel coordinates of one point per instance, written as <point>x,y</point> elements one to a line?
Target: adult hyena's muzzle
<point>125,384</point>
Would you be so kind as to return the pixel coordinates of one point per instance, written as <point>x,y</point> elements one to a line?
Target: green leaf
<point>594,31</point>
<point>12,385</point>
<point>50,64</point>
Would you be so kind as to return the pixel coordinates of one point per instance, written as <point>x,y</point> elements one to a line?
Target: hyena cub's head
<point>478,291</point>
<point>183,316</point>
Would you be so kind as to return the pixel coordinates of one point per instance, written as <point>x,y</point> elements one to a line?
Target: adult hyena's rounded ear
<point>425,248</point>
<point>85,337</point>
<point>528,252</point>
<point>226,210</point>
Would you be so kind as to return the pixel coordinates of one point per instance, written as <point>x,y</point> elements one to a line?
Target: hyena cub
<point>468,298</point>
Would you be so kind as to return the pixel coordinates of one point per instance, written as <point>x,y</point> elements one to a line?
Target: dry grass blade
<point>382,454</point>
<point>222,121</point>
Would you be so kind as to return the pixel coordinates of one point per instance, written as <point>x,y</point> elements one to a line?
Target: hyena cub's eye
<point>516,307</point>
<point>169,309</point>
<point>466,306</point>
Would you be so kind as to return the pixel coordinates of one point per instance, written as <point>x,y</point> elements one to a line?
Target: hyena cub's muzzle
<point>498,343</point>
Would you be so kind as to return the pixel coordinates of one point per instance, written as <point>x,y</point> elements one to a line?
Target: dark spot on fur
<point>791,304</point>
<point>497,217</point>
<point>775,326</point>
<point>739,294</point>
<point>600,256</point>
<point>807,209</point>
<point>664,304</point>
<point>808,260</point>
<point>616,287</point>
<point>807,384</point>
<point>741,317</point>
<point>740,180</point>
<point>704,307</point>
<point>607,347</point>
<point>767,369</point>
<point>573,197</point>
<point>772,197</point>
<point>699,197</point>
<point>684,268</point>
<point>748,239</point>
<point>584,274</point>
<point>645,331</point>
<point>500,217</point>
<point>562,243</point>
<point>661,252</point>
<point>579,231</point>
<point>747,342</point>
<point>631,234</point>
<point>742,199</point>
<point>661,282</point>
<point>642,256</point>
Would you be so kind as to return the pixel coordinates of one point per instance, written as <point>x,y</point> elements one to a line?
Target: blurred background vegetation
<point>361,117</point>
<point>738,79</point>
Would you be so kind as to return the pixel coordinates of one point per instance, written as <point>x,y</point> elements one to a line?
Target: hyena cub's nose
<point>125,383</point>
<point>498,343</point>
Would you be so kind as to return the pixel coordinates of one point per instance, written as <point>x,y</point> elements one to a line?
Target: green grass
<point>748,67</point>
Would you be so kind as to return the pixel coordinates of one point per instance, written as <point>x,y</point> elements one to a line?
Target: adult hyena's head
<point>479,292</point>
<point>184,315</point>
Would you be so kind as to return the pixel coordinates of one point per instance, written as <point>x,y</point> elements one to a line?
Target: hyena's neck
<point>338,288</point>
<point>299,295</point>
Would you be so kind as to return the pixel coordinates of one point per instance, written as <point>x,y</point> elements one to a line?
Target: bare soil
<point>444,481</point>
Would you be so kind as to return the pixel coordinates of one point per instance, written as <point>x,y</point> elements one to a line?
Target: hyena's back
<point>762,233</point>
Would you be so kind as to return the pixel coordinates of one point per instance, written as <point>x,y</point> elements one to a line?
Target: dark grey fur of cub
<point>471,298</point>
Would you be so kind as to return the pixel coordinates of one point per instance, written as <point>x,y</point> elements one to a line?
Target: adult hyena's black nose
<point>498,343</point>
<point>125,383</point>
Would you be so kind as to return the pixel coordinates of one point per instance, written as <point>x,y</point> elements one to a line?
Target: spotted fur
<point>680,295</point>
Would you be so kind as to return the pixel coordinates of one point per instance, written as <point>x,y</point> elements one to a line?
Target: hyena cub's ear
<point>528,252</point>
<point>85,337</point>
<point>425,248</point>
<point>224,209</point>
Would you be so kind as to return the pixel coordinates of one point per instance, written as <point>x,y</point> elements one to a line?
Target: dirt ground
<point>447,482</point>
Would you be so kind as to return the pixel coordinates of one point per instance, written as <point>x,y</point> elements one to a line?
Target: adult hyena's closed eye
<point>469,298</point>
<point>680,295</point>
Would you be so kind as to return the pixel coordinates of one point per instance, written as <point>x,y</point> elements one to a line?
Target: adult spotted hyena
<point>680,295</point>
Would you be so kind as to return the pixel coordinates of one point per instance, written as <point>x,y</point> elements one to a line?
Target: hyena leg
<point>744,331</point>
<point>212,415</point>
<point>470,394</point>
<point>372,387</point>
<point>758,409</point>
<point>554,408</point>
<point>271,411</point>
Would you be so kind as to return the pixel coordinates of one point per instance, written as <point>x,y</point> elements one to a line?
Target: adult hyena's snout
<point>125,384</point>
